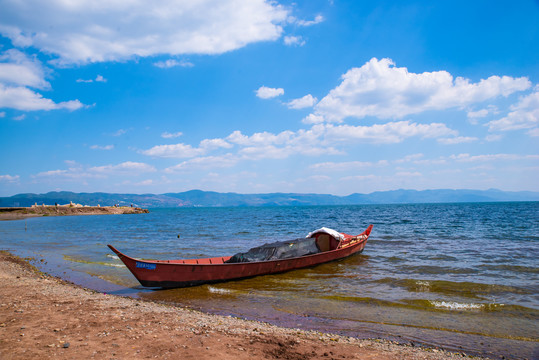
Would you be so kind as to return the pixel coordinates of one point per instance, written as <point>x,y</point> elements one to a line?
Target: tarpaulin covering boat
<point>320,246</point>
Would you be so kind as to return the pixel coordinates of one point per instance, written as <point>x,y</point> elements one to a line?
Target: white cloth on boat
<point>337,235</point>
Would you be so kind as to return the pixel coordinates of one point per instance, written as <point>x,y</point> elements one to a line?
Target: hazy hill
<point>210,198</point>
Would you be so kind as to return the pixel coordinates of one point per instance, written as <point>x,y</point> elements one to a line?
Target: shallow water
<point>460,276</point>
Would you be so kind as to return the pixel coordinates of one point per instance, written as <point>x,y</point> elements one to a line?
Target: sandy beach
<point>17,213</point>
<point>46,317</point>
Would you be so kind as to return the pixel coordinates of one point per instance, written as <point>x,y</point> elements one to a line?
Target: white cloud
<point>167,135</point>
<point>18,73</point>
<point>145,182</point>
<point>267,93</point>
<point>381,89</point>
<point>260,138</point>
<point>71,174</point>
<point>98,78</point>
<point>359,178</point>
<point>478,114</point>
<point>491,109</point>
<point>18,69</point>
<point>86,31</point>
<point>9,178</point>
<point>209,162</point>
<point>78,172</point>
<point>457,140</point>
<point>290,40</point>
<point>492,157</point>
<point>341,166</point>
<point>119,132</point>
<point>212,144</point>
<point>170,63</point>
<point>2,114</point>
<point>303,102</point>
<point>392,132</point>
<point>319,140</point>
<point>534,132</point>
<point>173,151</point>
<point>24,99</point>
<point>409,158</point>
<point>408,174</point>
<point>524,115</point>
<point>317,20</point>
<point>105,147</point>
<point>493,137</point>
<point>313,119</point>
<point>20,117</point>
<point>125,167</point>
<point>186,151</point>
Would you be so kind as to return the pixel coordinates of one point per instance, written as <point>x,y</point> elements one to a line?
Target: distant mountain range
<point>196,198</point>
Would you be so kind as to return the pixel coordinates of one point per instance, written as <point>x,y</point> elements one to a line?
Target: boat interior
<point>326,242</point>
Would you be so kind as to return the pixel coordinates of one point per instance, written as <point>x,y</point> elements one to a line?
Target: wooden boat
<point>191,272</point>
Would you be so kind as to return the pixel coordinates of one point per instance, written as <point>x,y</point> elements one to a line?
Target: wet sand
<point>46,317</point>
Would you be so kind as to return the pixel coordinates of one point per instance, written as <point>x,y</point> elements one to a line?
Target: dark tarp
<point>278,250</point>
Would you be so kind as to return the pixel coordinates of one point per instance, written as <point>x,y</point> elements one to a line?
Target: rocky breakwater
<point>14,213</point>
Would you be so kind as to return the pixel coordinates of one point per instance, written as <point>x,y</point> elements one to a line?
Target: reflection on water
<point>463,276</point>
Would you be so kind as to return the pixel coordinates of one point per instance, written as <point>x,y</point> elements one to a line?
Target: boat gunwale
<point>175,263</point>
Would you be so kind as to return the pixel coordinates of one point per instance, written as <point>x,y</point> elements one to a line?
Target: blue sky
<point>256,96</point>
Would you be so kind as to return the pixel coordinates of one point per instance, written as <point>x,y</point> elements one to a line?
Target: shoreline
<point>43,316</point>
<point>18,213</point>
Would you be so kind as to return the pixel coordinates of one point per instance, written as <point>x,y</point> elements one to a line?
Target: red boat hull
<point>191,272</point>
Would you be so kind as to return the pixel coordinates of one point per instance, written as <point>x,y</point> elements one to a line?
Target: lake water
<point>464,277</point>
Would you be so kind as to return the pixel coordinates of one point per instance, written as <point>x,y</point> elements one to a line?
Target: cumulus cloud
<point>457,140</point>
<point>493,137</point>
<point>359,178</point>
<point>208,162</point>
<point>19,73</point>
<point>77,171</point>
<point>317,20</point>
<point>99,147</point>
<point>321,139</point>
<point>119,132</point>
<point>22,98</point>
<point>341,166</point>
<point>184,150</point>
<point>381,89</point>
<point>303,102</point>
<point>389,133</point>
<point>125,167</point>
<point>290,40</point>
<point>408,174</point>
<point>491,109</point>
<point>170,63</point>
<point>313,119</point>
<point>492,157</point>
<point>98,78</point>
<point>85,31</point>
<point>260,138</point>
<point>9,178</point>
<point>167,135</point>
<point>524,115</point>
<point>265,92</point>
<point>18,69</point>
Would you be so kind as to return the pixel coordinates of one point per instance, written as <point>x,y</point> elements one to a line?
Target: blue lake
<point>460,276</point>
